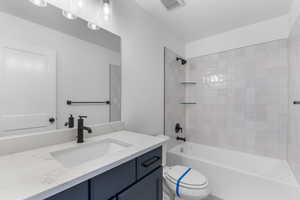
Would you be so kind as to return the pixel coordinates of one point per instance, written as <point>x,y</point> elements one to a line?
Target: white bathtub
<point>234,175</point>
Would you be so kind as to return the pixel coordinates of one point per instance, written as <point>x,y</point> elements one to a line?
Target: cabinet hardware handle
<point>296,102</point>
<point>151,161</point>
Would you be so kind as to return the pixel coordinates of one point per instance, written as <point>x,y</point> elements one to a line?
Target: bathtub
<point>234,175</point>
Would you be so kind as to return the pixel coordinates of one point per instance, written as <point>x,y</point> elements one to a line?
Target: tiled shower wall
<point>242,99</point>
<point>174,93</point>
<point>294,110</point>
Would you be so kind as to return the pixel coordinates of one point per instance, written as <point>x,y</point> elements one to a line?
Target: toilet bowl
<point>186,183</point>
<point>182,182</point>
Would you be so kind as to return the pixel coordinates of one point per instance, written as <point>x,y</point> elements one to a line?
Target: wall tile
<point>242,98</point>
<point>174,93</point>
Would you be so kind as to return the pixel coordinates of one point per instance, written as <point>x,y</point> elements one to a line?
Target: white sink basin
<point>78,155</point>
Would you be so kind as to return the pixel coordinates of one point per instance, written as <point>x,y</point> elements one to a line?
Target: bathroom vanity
<point>122,165</point>
<point>140,178</point>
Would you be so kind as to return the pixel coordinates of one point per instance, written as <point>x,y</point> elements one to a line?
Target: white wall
<point>262,32</point>
<point>294,13</point>
<point>143,39</point>
<point>294,90</point>
<point>82,67</point>
<point>266,31</point>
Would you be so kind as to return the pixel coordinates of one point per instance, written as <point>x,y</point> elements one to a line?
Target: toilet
<point>192,186</point>
<point>183,182</point>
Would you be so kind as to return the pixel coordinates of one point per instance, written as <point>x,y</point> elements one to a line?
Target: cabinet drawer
<point>149,162</point>
<point>108,184</point>
<point>148,188</point>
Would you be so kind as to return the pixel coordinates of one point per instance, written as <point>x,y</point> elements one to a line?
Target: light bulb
<point>39,3</point>
<point>93,26</point>
<point>106,9</point>
<point>69,15</point>
<point>80,3</point>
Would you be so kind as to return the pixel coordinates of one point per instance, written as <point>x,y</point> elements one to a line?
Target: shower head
<point>183,61</point>
<point>173,4</point>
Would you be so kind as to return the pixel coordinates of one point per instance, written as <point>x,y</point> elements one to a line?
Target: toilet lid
<point>193,179</point>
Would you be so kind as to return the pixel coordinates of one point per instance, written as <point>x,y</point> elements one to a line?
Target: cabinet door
<point>78,192</point>
<point>149,188</point>
<point>107,185</point>
<point>27,88</point>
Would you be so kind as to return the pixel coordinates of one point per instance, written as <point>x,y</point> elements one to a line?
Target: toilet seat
<point>193,180</point>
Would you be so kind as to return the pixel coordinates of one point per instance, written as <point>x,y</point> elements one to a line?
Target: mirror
<point>51,67</point>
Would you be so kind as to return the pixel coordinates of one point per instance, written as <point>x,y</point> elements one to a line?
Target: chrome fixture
<point>39,3</point>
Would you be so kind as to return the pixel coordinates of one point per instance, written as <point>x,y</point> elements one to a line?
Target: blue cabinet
<point>78,192</point>
<point>140,178</point>
<point>148,162</point>
<point>149,188</point>
<point>108,184</point>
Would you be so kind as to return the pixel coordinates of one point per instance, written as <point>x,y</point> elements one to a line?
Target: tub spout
<point>181,139</point>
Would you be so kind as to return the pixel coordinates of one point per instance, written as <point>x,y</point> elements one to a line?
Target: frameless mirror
<point>51,67</point>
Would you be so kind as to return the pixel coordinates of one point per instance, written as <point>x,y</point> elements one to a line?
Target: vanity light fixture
<point>39,3</point>
<point>93,26</point>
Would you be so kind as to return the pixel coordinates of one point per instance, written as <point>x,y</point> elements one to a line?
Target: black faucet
<point>81,129</point>
<point>181,139</point>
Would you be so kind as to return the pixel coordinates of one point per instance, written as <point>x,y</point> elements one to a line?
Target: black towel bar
<point>69,102</point>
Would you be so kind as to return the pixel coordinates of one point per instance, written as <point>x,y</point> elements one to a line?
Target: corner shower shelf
<point>188,82</point>
<point>188,103</point>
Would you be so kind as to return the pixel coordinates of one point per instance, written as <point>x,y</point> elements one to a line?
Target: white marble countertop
<point>36,175</point>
